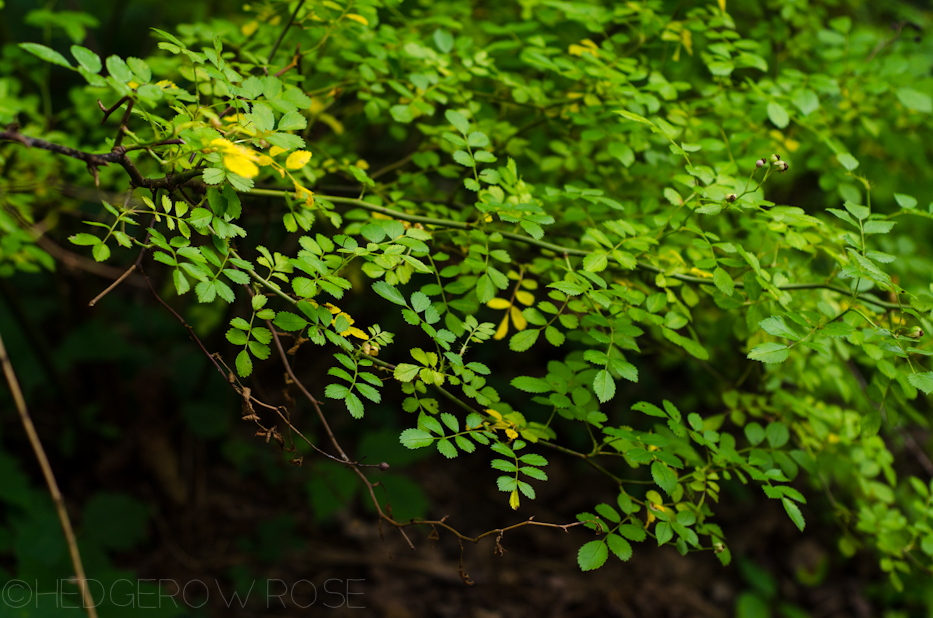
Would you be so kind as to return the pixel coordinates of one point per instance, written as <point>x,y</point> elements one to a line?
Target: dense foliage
<point>687,243</point>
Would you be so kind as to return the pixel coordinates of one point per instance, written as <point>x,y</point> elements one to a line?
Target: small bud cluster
<point>775,160</point>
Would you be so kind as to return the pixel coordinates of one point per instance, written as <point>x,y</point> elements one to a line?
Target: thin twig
<point>49,480</point>
<point>291,20</point>
<point>110,287</point>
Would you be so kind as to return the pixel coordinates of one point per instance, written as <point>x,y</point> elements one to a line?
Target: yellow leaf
<point>525,298</point>
<point>517,318</point>
<point>493,413</point>
<point>513,500</point>
<point>701,273</point>
<point>529,284</point>
<point>358,18</point>
<point>503,328</point>
<point>332,308</point>
<point>132,85</point>
<point>301,193</point>
<point>722,5</point>
<point>511,433</point>
<point>579,50</point>
<point>249,28</point>
<point>498,303</point>
<point>356,333</point>
<point>265,160</point>
<point>297,159</point>
<point>275,151</point>
<point>240,165</point>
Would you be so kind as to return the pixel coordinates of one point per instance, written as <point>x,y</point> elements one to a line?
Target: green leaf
<point>806,101</point>
<point>477,140</point>
<point>354,405</point>
<point>140,69</point>
<point>915,100</point>
<point>620,547</point>
<point>776,326</point>
<point>592,555</point>
<point>723,281</point>
<point>650,409</point>
<point>604,386</point>
<point>289,321</point>
<point>458,120</point>
<point>463,158</point>
<point>101,252</point>
<point>848,161</point>
<point>244,364</point>
<point>444,40</point>
<point>524,339</point>
<point>608,513</point>
<point>292,121</point>
<point>86,58</point>
<point>405,372</point>
<point>777,434</point>
<point>118,69</point>
<point>389,293</point>
<point>794,511</point>
<point>446,448</point>
<point>181,283</point>
<point>778,115</point>
<point>84,239</point>
<point>632,532</point>
<point>769,352</point>
<point>531,385</point>
<point>664,477</point>
<point>46,53</point>
<point>415,438</point>
<point>630,116</point>
<point>237,337</point>
<point>922,381</point>
<point>905,201</point>
<point>754,433</point>
<point>554,336</point>
<point>595,262</point>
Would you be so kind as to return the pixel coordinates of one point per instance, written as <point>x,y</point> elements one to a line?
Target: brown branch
<point>126,118</point>
<point>294,63</point>
<point>109,110</point>
<point>118,155</point>
<point>49,480</point>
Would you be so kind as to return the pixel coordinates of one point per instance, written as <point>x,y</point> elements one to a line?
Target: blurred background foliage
<point>146,439</point>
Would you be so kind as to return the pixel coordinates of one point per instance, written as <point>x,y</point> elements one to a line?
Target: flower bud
<point>775,158</point>
<point>784,166</point>
<point>731,197</point>
<point>915,333</point>
<point>760,163</point>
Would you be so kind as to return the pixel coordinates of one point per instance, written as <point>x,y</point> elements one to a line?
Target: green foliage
<point>601,172</point>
